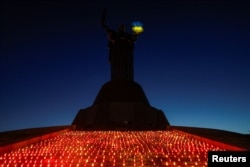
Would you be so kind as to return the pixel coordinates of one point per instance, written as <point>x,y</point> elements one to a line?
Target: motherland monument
<point>121,103</point>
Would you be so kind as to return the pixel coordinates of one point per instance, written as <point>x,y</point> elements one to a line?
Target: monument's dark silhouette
<point>121,46</point>
<point>121,103</point>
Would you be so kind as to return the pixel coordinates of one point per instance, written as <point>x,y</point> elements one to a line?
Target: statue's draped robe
<point>121,47</point>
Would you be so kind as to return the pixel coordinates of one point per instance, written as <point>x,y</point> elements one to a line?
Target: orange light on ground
<point>112,148</point>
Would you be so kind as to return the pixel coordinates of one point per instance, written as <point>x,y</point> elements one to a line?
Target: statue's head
<point>121,28</point>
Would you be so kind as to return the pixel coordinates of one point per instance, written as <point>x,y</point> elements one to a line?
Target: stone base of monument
<point>121,105</point>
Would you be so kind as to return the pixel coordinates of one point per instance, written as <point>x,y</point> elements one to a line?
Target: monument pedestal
<point>121,105</point>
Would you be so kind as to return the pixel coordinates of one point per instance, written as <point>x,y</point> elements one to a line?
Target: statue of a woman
<point>121,46</point>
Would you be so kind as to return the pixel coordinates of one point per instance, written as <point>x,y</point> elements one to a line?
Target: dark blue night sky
<point>192,60</point>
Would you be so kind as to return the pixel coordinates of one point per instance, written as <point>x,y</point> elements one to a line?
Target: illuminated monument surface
<point>121,103</point>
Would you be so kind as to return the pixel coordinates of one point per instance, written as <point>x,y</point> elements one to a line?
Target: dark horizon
<point>192,60</point>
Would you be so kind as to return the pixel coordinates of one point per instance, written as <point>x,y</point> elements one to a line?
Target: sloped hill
<point>227,137</point>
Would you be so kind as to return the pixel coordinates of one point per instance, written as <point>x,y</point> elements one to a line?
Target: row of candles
<point>112,148</point>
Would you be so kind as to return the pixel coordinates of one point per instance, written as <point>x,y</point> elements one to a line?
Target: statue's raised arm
<point>103,20</point>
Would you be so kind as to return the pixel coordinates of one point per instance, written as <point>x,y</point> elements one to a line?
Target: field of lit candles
<point>112,148</point>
